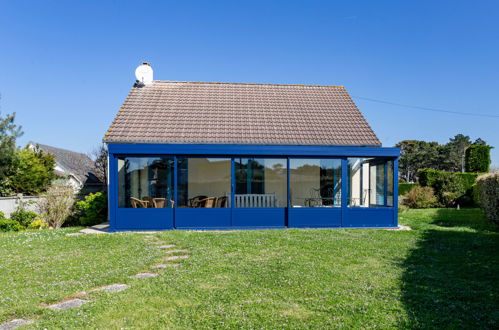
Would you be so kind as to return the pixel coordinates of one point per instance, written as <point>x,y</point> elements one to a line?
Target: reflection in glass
<point>315,182</point>
<point>145,182</point>
<point>370,180</point>
<point>204,182</point>
<point>260,182</point>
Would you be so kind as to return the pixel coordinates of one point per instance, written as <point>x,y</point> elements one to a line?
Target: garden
<point>443,273</point>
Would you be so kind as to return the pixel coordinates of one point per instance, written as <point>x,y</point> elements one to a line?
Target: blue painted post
<point>112,189</point>
<point>232,188</point>
<point>344,191</point>
<point>175,182</point>
<point>395,191</point>
<point>385,184</point>
<point>288,184</point>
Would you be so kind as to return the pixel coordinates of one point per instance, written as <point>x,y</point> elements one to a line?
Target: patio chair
<point>137,203</point>
<point>222,201</point>
<point>209,202</point>
<point>160,203</point>
<point>196,201</point>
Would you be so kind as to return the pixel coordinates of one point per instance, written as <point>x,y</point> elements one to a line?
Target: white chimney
<point>144,74</point>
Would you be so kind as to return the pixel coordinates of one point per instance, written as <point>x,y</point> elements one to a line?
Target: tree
<point>33,171</point>
<point>454,152</point>
<point>416,154</point>
<point>99,155</point>
<point>9,132</point>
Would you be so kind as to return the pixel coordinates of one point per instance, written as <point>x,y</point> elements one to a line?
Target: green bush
<point>38,223</point>
<point>404,188</point>
<point>451,188</point>
<point>10,225</point>
<point>2,216</point>
<point>23,217</point>
<point>488,193</point>
<point>477,158</point>
<point>421,198</point>
<point>92,210</point>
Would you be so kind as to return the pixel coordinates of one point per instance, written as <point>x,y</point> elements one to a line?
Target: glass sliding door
<point>203,192</point>
<point>145,192</point>
<point>370,182</point>
<point>315,182</point>
<point>260,182</point>
<point>315,192</point>
<point>145,182</point>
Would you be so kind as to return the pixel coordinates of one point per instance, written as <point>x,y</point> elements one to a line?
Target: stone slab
<point>68,304</point>
<point>113,288</point>
<point>14,324</point>
<point>175,251</point>
<point>176,257</point>
<point>74,234</point>
<point>144,275</point>
<point>400,228</point>
<point>166,246</point>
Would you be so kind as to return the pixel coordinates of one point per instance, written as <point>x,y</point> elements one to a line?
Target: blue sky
<point>66,66</point>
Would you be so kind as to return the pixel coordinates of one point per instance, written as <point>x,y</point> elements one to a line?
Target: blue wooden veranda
<point>380,185</point>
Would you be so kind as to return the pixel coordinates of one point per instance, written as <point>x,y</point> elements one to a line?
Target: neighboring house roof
<point>239,113</point>
<point>73,163</point>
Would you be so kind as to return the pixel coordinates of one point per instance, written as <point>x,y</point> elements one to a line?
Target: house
<point>73,168</point>
<point>203,155</point>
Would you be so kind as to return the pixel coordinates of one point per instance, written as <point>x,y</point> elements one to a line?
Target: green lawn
<point>444,273</point>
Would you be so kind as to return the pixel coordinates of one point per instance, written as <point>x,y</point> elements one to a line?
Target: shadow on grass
<point>451,279</point>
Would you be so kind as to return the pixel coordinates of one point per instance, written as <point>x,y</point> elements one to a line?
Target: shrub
<point>10,225</point>
<point>57,205</point>
<point>488,194</point>
<point>2,216</point>
<point>451,188</point>
<point>92,210</point>
<point>404,188</point>
<point>477,158</point>
<point>421,198</point>
<point>23,217</point>
<point>38,224</point>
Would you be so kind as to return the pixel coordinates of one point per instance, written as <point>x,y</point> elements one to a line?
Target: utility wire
<point>426,108</point>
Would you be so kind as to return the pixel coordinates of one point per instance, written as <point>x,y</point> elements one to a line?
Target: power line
<point>426,108</point>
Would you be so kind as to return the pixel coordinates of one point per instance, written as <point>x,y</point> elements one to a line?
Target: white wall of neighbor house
<point>11,204</point>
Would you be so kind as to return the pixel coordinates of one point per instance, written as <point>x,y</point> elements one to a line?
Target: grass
<point>444,274</point>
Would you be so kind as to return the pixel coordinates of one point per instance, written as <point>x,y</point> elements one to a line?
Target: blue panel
<point>251,150</point>
<point>313,217</point>
<point>368,217</point>
<point>259,217</point>
<point>202,217</point>
<point>143,219</point>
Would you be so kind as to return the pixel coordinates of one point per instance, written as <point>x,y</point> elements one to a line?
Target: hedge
<point>404,188</point>
<point>488,193</point>
<point>477,158</point>
<point>450,187</point>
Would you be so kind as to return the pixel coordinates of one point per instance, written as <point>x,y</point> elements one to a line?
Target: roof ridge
<point>243,83</point>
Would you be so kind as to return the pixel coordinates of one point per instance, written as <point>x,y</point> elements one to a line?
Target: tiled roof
<point>238,113</point>
<point>75,163</point>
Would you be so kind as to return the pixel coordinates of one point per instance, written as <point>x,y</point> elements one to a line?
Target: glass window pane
<point>315,182</point>
<point>390,182</point>
<point>260,182</point>
<point>145,182</point>
<point>366,182</point>
<point>204,182</point>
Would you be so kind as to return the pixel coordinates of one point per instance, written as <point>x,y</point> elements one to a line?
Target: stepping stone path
<point>14,324</point>
<point>166,246</point>
<point>68,304</point>
<point>113,288</point>
<point>144,275</point>
<point>176,257</point>
<point>74,234</point>
<point>175,251</point>
<point>159,266</point>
